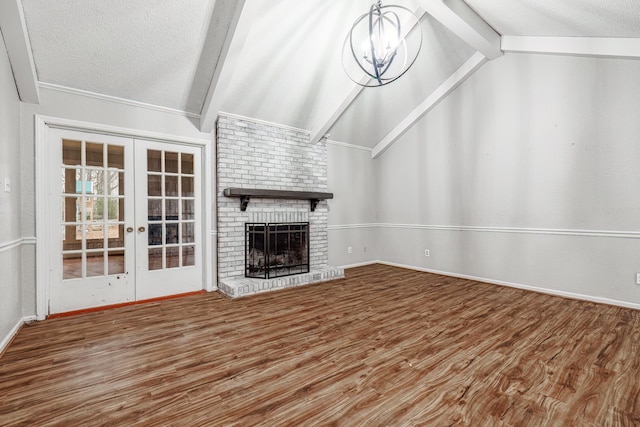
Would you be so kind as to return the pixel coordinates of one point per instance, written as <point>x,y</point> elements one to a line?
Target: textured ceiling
<point>144,50</point>
<point>289,69</point>
<point>561,18</point>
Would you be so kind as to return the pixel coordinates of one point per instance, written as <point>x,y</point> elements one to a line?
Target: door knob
<point>141,229</point>
<point>129,229</point>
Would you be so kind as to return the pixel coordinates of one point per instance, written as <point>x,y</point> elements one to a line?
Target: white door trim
<point>43,203</point>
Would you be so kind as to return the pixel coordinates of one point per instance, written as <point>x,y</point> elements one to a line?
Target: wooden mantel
<point>245,194</point>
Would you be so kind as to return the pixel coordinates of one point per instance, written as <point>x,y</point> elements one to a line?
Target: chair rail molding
<point>489,229</point>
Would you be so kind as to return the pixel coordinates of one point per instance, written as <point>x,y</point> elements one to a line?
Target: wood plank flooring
<point>382,347</point>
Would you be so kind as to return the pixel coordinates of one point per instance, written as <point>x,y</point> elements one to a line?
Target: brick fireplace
<point>265,156</point>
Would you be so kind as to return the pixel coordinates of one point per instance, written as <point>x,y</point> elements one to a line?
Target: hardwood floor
<point>382,347</point>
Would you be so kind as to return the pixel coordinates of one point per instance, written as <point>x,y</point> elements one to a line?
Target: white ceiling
<point>561,18</point>
<point>291,61</point>
<point>143,50</point>
<point>288,68</point>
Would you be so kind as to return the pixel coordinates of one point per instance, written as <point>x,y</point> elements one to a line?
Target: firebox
<point>276,249</point>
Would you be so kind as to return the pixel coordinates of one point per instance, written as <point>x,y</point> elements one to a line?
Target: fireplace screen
<point>275,250</point>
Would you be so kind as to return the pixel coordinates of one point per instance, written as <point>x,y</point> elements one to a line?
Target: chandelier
<point>377,45</point>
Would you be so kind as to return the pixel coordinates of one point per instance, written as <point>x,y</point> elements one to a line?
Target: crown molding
<point>109,98</point>
<point>262,122</point>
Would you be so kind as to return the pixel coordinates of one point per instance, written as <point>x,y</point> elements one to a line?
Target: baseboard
<point>547,291</point>
<point>361,264</point>
<point>4,344</point>
<point>122,304</point>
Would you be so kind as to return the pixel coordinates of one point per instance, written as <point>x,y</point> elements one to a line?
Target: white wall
<point>10,236</point>
<point>353,210</point>
<point>90,109</point>
<point>541,154</point>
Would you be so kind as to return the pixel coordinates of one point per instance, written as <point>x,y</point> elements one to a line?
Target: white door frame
<point>42,173</point>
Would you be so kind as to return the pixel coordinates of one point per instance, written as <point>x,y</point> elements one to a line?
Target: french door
<point>126,220</point>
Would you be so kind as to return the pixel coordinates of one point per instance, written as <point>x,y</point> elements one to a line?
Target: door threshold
<point>123,304</point>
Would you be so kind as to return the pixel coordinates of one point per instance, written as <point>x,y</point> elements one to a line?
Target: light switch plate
<point>7,185</point>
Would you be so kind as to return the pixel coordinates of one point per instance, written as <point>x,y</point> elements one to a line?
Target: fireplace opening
<point>276,249</point>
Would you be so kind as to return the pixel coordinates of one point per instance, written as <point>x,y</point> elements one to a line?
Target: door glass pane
<point>188,256</point>
<point>78,185</point>
<point>172,234</point>
<point>93,208</point>
<point>71,209</point>
<point>121,183</point>
<point>173,257</point>
<point>116,236</point>
<point>154,161</point>
<point>80,232</point>
<point>71,237</point>
<point>94,183</point>
<point>115,209</point>
<point>95,154</point>
<point>187,163</point>
<point>115,180</point>
<point>155,234</point>
<point>171,186</point>
<point>188,232</point>
<point>187,209</point>
<point>115,262</point>
<point>187,186</point>
<point>71,152</point>
<point>170,162</point>
<point>154,185</point>
<point>115,156</point>
<point>95,264</point>
<point>155,259</point>
<point>72,266</point>
<point>154,209</point>
<point>172,209</point>
<point>95,236</point>
<point>71,181</point>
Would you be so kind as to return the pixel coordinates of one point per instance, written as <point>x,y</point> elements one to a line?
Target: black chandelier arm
<point>373,56</point>
<point>355,56</point>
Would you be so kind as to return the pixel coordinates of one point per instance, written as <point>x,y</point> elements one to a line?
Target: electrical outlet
<point>426,252</point>
<point>7,185</point>
<point>349,250</point>
<point>637,278</point>
<point>364,249</point>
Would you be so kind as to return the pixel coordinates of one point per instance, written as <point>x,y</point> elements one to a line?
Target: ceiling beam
<point>226,13</point>
<point>333,114</point>
<point>16,39</point>
<point>441,92</point>
<point>464,22</point>
<point>608,47</point>
<point>455,15</point>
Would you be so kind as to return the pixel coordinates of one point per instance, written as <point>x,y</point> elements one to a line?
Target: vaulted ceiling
<point>280,60</point>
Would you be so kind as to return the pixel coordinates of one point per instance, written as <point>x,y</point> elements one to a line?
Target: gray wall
<point>527,174</point>
<point>353,210</point>
<point>10,235</point>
